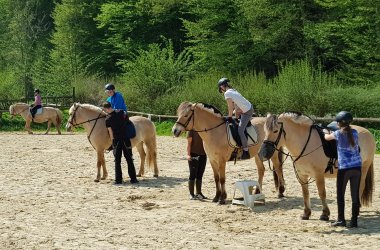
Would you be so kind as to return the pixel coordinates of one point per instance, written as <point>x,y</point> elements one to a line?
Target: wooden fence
<point>317,119</point>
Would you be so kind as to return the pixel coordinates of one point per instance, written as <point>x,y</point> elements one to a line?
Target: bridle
<point>192,116</point>
<point>72,120</point>
<point>22,111</point>
<point>293,158</point>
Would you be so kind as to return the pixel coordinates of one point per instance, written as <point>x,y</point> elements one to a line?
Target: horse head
<point>274,130</point>
<point>185,113</point>
<point>72,117</point>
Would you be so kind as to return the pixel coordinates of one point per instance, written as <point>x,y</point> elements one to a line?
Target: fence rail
<point>318,119</point>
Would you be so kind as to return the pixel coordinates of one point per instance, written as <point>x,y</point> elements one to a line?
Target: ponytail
<point>346,128</point>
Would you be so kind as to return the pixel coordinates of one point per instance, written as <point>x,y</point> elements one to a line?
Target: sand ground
<point>48,200</point>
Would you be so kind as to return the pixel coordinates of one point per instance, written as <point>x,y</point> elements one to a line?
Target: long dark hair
<point>346,128</point>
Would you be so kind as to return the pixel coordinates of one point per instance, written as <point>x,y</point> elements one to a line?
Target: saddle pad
<point>233,136</point>
<point>39,111</point>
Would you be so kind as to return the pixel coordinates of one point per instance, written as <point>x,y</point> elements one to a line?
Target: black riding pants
<point>344,175</point>
<point>197,167</point>
<point>123,147</point>
<point>33,110</point>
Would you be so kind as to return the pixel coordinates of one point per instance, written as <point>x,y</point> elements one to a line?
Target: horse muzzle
<point>176,131</point>
<point>266,150</point>
<point>69,128</point>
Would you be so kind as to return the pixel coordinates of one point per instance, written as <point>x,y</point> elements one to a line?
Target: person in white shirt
<point>237,102</point>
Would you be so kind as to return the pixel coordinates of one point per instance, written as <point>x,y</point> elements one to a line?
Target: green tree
<point>346,37</point>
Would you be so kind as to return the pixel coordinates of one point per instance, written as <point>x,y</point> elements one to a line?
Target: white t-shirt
<point>238,99</point>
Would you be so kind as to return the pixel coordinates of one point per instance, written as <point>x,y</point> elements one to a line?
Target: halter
<point>184,125</point>
<point>89,120</point>
<point>22,111</point>
<point>275,145</point>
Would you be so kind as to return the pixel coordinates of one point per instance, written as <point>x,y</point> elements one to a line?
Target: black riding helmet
<point>36,91</point>
<point>344,117</point>
<point>109,86</point>
<point>222,82</point>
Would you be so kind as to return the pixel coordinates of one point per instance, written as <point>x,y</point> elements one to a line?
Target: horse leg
<point>99,164</point>
<point>222,180</point>
<point>103,164</point>
<point>260,170</point>
<point>27,127</point>
<point>217,184</point>
<point>306,197</point>
<point>48,127</point>
<point>57,125</point>
<point>278,173</point>
<point>320,182</point>
<point>140,149</point>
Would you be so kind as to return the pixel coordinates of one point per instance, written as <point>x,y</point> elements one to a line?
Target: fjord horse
<point>212,129</point>
<point>92,118</point>
<point>49,115</point>
<point>296,133</point>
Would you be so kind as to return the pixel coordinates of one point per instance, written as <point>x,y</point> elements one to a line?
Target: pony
<point>297,133</point>
<point>211,126</point>
<point>49,115</point>
<point>92,118</point>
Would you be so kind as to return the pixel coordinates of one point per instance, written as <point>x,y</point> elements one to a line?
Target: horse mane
<point>185,106</point>
<point>297,117</point>
<point>90,107</point>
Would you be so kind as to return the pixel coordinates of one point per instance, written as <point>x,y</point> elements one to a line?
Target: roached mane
<point>297,118</point>
<point>186,106</point>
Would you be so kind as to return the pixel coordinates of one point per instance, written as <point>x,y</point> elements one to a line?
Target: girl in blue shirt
<point>349,166</point>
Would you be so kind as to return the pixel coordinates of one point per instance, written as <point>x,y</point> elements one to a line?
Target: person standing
<point>115,98</point>
<point>115,123</point>
<point>37,103</point>
<point>197,158</point>
<point>235,101</point>
<point>349,166</point>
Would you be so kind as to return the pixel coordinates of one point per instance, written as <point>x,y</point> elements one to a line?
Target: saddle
<point>38,112</point>
<point>234,139</point>
<point>329,147</point>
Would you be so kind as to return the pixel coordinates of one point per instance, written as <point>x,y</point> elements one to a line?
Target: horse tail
<point>151,145</point>
<point>59,117</point>
<point>366,198</point>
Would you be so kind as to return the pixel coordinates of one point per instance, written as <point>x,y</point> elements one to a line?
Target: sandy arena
<point>49,201</point>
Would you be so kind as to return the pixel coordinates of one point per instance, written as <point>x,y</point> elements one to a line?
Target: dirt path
<point>49,201</point>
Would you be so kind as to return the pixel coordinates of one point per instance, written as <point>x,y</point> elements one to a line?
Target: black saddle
<point>329,147</point>
<point>234,130</point>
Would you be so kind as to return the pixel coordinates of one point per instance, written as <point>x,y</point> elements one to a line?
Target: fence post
<point>73,94</point>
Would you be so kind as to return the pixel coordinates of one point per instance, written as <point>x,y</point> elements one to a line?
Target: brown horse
<point>92,119</point>
<point>49,115</point>
<point>212,129</point>
<point>296,133</point>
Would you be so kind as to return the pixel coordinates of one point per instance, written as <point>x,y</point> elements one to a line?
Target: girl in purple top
<point>349,166</point>
<point>37,102</point>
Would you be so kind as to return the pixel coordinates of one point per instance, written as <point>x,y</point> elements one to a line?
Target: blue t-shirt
<point>117,101</point>
<point>348,157</point>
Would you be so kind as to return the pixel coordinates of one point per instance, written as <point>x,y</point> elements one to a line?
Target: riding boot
<point>198,186</point>
<point>355,214</point>
<point>191,189</point>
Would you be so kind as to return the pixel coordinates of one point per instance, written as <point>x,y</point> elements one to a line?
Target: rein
<point>193,116</point>
<point>88,121</point>
<point>22,111</point>
<point>275,144</point>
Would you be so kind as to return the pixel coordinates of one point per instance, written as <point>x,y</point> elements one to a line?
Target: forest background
<point>313,56</point>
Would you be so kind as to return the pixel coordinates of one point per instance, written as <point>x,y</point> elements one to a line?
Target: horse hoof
<point>103,178</point>
<point>96,180</point>
<point>281,189</point>
<point>138,175</point>
<point>305,217</point>
<point>215,199</point>
<point>156,175</point>
<point>280,195</point>
<point>324,217</point>
<point>221,202</point>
